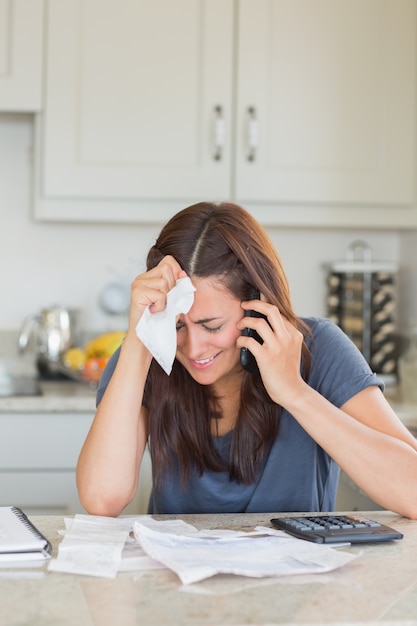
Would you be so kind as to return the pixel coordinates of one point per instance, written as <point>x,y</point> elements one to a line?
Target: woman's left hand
<point>279,356</point>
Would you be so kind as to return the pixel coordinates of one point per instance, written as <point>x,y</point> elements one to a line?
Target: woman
<point>223,439</point>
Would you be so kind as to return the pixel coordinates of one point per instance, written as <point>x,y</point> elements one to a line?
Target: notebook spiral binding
<point>26,522</point>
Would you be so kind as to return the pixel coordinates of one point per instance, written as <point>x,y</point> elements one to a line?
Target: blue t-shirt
<point>296,474</point>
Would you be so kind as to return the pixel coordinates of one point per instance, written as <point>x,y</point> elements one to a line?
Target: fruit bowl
<point>77,375</point>
<point>86,364</point>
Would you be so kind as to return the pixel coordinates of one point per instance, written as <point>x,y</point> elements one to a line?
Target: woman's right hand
<point>151,289</point>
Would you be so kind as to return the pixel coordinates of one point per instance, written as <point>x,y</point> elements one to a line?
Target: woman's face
<point>207,334</point>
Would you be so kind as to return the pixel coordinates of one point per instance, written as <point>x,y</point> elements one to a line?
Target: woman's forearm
<point>109,462</point>
<point>376,451</point>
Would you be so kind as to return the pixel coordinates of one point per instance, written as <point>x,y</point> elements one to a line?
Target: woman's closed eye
<point>209,329</point>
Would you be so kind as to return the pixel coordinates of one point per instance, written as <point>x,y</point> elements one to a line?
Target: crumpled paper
<point>195,555</point>
<point>158,332</point>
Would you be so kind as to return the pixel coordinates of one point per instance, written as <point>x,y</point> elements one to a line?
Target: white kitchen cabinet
<point>302,110</point>
<point>331,88</point>
<point>21,45</point>
<point>138,105</point>
<point>38,457</point>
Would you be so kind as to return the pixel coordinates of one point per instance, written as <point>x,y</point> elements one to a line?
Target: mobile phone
<point>247,360</point>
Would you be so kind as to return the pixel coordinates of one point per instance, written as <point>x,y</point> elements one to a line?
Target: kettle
<point>54,330</point>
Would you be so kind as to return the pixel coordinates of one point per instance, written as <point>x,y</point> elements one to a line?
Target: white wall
<point>46,263</point>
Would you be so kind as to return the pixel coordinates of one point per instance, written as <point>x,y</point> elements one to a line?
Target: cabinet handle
<point>253,135</point>
<point>219,133</point>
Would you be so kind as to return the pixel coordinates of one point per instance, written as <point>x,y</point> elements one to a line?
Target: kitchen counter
<point>379,587</point>
<point>70,396</point>
<point>57,397</point>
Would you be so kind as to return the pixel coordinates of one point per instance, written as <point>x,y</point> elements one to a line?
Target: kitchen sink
<point>19,386</point>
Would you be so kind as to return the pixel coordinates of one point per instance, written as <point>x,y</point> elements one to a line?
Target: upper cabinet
<point>302,110</point>
<point>21,44</point>
<point>138,106</point>
<point>329,89</point>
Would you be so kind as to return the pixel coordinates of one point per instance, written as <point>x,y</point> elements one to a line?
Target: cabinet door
<point>39,492</point>
<point>138,94</point>
<point>326,95</point>
<point>38,459</point>
<point>21,31</point>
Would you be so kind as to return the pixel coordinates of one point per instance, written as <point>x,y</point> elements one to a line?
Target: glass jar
<point>407,370</point>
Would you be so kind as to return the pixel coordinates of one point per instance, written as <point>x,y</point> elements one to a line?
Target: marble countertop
<point>57,397</point>
<point>379,587</point>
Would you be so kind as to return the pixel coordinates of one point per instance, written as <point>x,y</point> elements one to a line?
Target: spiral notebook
<point>20,540</point>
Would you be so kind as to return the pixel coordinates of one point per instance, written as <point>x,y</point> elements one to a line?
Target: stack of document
<point>102,546</point>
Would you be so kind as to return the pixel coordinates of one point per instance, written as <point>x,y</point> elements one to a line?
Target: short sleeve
<point>338,369</point>
<point>106,375</point>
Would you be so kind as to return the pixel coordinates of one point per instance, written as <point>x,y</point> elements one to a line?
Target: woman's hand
<point>151,288</point>
<point>279,356</point>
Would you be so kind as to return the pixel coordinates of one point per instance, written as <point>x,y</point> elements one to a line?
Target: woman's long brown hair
<point>222,241</point>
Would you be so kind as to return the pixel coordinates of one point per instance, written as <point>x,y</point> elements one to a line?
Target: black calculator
<point>333,528</point>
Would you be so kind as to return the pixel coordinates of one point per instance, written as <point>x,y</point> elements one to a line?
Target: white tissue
<point>158,331</point>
